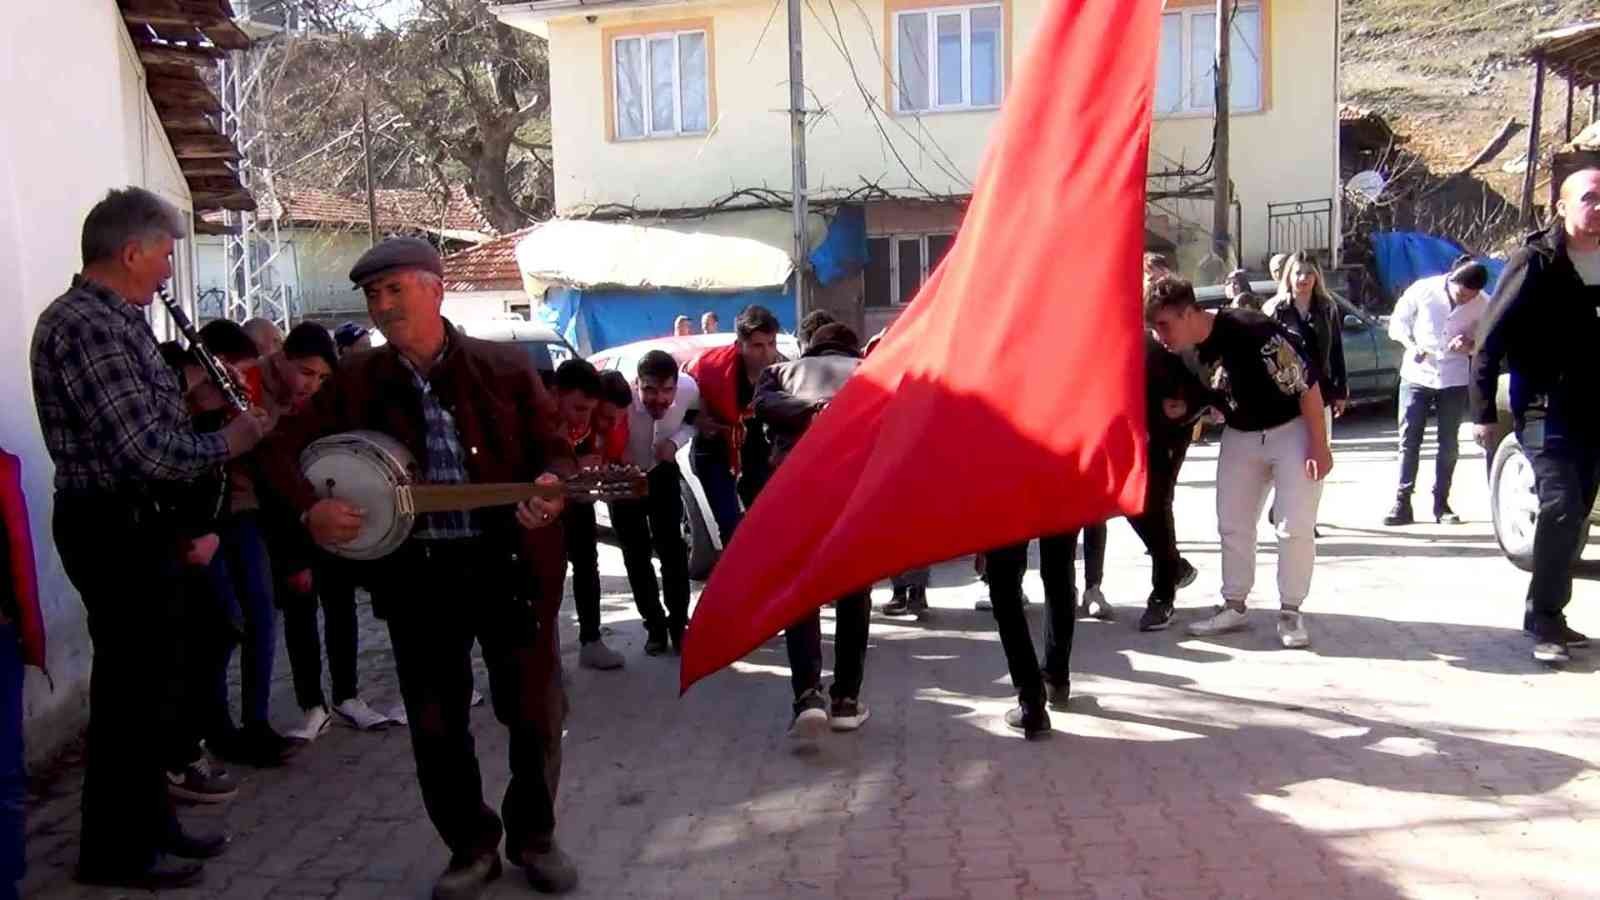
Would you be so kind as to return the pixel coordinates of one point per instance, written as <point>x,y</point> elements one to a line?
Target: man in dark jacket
<point>1542,328</point>
<point>470,412</point>
<point>787,397</point>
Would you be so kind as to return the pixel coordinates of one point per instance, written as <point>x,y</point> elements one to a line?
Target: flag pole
<point>1221,201</point>
<point>797,143</point>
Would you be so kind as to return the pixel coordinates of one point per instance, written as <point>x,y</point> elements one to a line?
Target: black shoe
<point>1157,616</point>
<point>675,639</point>
<point>198,846</point>
<point>847,714</point>
<point>467,876</point>
<point>1444,515</point>
<point>810,717</point>
<point>165,875</point>
<point>550,871</point>
<point>1057,694</point>
<point>201,782</point>
<point>899,604</point>
<point>655,642</point>
<point>1550,651</point>
<point>919,601</point>
<point>1573,637</point>
<point>254,745</point>
<point>1400,514</point>
<point>1032,721</point>
<point>1186,574</point>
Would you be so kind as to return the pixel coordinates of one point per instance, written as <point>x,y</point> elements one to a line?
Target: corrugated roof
<point>1572,52</point>
<point>490,266</point>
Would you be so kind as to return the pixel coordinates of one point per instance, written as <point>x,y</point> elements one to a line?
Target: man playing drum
<point>469,412</point>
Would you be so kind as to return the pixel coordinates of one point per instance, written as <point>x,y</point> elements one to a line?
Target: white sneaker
<point>311,727</point>
<point>477,697</point>
<point>1224,620</point>
<point>811,719</point>
<point>358,715</point>
<point>1095,605</point>
<point>596,655</point>
<point>983,605</point>
<point>1292,630</point>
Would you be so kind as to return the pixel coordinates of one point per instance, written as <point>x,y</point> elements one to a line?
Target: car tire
<point>696,536</point>
<point>1514,504</point>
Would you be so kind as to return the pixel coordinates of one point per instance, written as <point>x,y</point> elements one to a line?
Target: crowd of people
<point>214,531</point>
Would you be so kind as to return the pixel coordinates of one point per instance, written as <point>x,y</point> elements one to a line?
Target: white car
<point>700,532</point>
<point>544,348</point>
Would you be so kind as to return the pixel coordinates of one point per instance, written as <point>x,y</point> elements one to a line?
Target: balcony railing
<point>1301,225</point>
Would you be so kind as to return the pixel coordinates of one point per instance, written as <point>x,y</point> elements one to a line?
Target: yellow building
<point>674,106</point>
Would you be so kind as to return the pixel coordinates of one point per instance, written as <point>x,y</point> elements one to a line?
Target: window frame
<point>1188,108</point>
<point>925,265</point>
<point>645,35</point>
<point>931,14</point>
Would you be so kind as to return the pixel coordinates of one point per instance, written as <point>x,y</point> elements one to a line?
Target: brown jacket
<point>507,424</point>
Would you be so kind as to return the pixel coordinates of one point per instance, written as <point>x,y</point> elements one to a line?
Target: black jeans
<point>334,588</point>
<point>1155,525</point>
<point>851,613</point>
<point>1005,568</point>
<point>439,598</point>
<point>1568,477</point>
<point>209,640</point>
<point>655,523</point>
<point>126,569</point>
<point>578,526</point>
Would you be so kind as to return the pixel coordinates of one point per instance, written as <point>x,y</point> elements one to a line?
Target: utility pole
<point>797,143</point>
<point>366,150</point>
<point>1222,202</point>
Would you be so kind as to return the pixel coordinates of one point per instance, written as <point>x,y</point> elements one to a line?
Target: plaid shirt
<point>446,463</point>
<point>110,407</point>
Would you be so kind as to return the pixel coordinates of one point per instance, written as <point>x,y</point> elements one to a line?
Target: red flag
<point>1008,401</point>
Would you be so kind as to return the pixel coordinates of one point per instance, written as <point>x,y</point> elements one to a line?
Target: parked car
<point>1513,492</point>
<point>700,532</point>
<point>1371,358</point>
<point>543,347</point>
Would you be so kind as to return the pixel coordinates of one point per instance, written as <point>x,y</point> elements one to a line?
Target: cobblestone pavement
<point>1415,751</point>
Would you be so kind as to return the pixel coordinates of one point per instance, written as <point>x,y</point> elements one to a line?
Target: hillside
<point>1448,73</point>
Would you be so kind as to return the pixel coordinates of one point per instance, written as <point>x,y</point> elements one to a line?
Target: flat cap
<point>393,254</point>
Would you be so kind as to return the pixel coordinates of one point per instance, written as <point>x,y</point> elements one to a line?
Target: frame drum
<point>370,470</point>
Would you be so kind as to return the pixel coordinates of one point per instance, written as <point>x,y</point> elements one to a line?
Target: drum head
<point>364,468</point>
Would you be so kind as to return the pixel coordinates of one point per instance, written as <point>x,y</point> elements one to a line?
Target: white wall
<point>1288,152</point>
<point>77,122</point>
<point>314,262</point>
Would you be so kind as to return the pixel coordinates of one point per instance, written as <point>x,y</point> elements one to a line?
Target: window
<point>662,85</point>
<point>897,266</point>
<point>948,58</point>
<point>1186,71</point>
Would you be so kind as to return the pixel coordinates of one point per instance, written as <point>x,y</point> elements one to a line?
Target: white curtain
<point>694,86</point>
<point>630,88</point>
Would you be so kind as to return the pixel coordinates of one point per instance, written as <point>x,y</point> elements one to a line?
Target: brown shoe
<point>550,871</point>
<point>467,877</point>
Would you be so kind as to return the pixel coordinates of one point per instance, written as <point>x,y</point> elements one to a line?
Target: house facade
<point>682,105</point>
<point>91,105</point>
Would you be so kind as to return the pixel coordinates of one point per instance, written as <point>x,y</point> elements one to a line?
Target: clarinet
<point>232,391</point>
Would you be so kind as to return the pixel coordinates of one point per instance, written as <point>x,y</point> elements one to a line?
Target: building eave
<point>533,16</point>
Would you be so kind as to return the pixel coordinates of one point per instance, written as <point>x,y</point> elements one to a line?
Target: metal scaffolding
<point>251,247</point>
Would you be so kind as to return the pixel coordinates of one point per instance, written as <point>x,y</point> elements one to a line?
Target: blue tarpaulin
<point>594,320</point>
<point>843,250</point>
<point>1405,256</point>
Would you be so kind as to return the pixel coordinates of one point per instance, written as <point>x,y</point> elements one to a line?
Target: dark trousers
<point>851,614</point>
<point>578,526</point>
<point>1155,526</point>
<point>1004,570</point>
<point>438,599</point>
<point>1416,403</point>
<point>125,568</point>
<point>334,589</point>
<point>914,578</point>
<point>709,462</point>
<point>13,775</point>
<point>243,567</point>
<point>1568,477</point>
<point>209,638</point>
<point>655,523</point>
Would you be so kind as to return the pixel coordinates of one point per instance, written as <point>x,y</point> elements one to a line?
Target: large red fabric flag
<point>1007,402</point>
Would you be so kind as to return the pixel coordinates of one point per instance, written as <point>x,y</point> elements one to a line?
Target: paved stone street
<point>1415,751</point>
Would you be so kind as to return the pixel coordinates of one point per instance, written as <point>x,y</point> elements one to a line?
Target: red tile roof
<point>399,209</point>
<point>490,266</point>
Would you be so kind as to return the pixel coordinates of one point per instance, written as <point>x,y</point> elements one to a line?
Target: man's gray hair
<point>131,214</point>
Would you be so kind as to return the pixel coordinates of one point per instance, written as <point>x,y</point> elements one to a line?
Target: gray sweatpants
<point>1250,464</point>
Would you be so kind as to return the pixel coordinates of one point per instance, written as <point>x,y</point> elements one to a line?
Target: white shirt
<point>1424,319</point>
<point>644,432</point>
<point>1587,263</point>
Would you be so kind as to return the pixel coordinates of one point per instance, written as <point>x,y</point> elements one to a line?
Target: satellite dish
<point>1366,186</point>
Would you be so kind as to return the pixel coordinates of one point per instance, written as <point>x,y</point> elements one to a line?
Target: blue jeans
<point>709,462</point>
<point>242,570</point>
<point>1416,401</point>
<point>13,776</point>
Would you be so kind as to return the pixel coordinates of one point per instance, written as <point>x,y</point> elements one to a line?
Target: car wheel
<point>1514,504</point>
<point>696,536</point>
